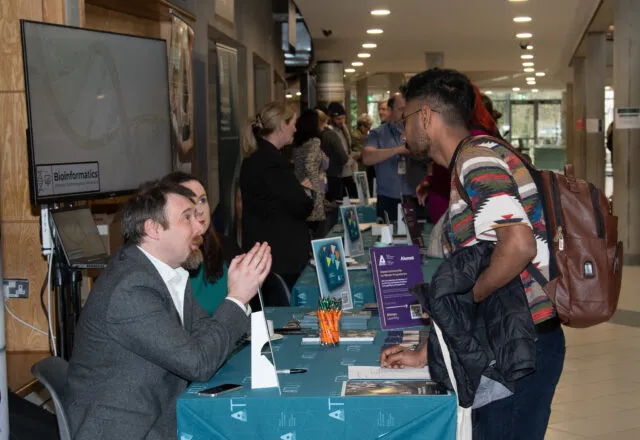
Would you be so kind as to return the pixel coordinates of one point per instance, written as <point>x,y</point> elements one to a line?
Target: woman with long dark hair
<point>208,269</point>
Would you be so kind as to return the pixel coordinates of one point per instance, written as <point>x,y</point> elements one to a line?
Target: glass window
<point>549,124</point>
<point>522,125</point>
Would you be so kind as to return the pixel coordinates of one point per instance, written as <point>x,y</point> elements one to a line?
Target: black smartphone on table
<point>220,389</point>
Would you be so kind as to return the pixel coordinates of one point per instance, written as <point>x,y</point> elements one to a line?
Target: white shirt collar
<point>174,279</point>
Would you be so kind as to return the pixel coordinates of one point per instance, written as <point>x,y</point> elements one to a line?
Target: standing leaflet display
<point>331,268</point>
<point>396,269</point>
<point>353,244</point>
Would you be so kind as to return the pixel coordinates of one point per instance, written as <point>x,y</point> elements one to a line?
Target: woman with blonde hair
<point>275,205</point>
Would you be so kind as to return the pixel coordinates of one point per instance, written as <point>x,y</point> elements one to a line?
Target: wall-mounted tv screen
<point>98,109</point>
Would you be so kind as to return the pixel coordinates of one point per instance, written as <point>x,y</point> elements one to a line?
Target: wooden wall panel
<point>53,11</point>
<point>11,78</point>
<point>107,20</point>
<point>22,259</point>
<point>14,197</point>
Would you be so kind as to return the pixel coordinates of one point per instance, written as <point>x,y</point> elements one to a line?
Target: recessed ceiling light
<point>369,45</point>
<point>607,88</point>
<point>349,70</point>
<point>530,78</point>
<point>357,64</point>
<point>288,96</point>
<point>530,47</point>
<point>540,74</point>
<point>364,55</point>
<point>488,92</point>
<point>522,19</point>
<point>516,89</point>
<point>531,82</point>
<point>534,90</point>
<point>298,93</point>
<point>524,35</point>
<point>528,64</point>
<point>529,69</point>
<point>388,91</point>
<point>526,56</point>
<point>380,12</point>
<point>374,31</point>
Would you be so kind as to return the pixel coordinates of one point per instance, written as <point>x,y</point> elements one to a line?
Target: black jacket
<point>494,338</point>
<point>331,145</point>
<point>274,209</point>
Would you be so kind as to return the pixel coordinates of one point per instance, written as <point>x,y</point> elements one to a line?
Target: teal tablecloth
<point>306,291</point>
<point>310,406</point>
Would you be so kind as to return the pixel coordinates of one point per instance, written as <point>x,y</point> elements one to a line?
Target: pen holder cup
<point>329,325</point>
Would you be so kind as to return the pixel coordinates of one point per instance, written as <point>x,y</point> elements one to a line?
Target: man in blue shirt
<point>385,148</point>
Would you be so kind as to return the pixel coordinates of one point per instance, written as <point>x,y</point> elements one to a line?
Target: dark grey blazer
<point>132,358</point>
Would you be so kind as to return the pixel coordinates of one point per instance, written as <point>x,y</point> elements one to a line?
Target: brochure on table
<point>353,244</point>
<point>397,269</point>
<point>402,235</point>
<point>362,184</point>
<point>328,253</point>
<point>411,221</point>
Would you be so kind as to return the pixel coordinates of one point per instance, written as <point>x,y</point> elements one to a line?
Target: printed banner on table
<point>396,269</point>
<point>353,244</point>
<point>331,268</point>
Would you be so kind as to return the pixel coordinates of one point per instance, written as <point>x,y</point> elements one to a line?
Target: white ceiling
<point>476,36</point>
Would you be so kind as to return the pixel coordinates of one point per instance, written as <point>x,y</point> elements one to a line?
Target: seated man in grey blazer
<point>142,337</point>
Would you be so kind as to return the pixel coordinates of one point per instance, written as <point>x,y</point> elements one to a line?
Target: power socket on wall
<point>15,288</point>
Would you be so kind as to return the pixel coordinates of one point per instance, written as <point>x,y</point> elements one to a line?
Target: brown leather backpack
<point>585,256</point>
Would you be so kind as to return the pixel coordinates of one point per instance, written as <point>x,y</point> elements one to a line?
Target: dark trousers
<point>371,174</point>
<point>317,229</point>
<point>334,188</point>
<point>388,204</point>
<point>525,414</point>
<point>349,185</point>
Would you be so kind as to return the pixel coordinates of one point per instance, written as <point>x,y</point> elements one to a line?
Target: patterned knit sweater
<point>502,193</point>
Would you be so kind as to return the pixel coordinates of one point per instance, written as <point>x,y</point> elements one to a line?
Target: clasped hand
<point>248,271</point>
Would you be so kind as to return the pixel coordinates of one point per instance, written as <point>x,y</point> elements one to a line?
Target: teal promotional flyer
<point>353,244</point>
<point>331,268</point>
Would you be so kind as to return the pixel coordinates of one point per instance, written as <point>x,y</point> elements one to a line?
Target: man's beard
<point>195,258</point>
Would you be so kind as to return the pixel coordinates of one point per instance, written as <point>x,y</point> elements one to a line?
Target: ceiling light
<point>522,19</point>
<point>534,90</point>
<point>349,70</point>
<point>374,31</point>
<point>524,35</point>
<point>517,1</point>
<point>380,12</point>
<point>364,55</point>
<point>516,89</point>
<point>298,93</point>
<point>357,64</point>
<point>529,69</point>
<point>530,78</point>
<point>488,92</point>
<point>526,56</point>
<point>540,74</point>
<point>288,96</point>
<point>607,88</point>
<point>529,47</point>
<point>369,45</point>
<point>388,91</point>
<point>528,64</point>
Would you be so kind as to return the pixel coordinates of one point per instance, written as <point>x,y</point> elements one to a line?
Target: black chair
<point>275,293</point>
<point>52,373</point>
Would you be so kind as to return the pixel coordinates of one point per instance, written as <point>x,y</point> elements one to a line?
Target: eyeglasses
<point>406,118</point>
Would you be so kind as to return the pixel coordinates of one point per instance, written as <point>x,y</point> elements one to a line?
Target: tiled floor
<point>598,397</point>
